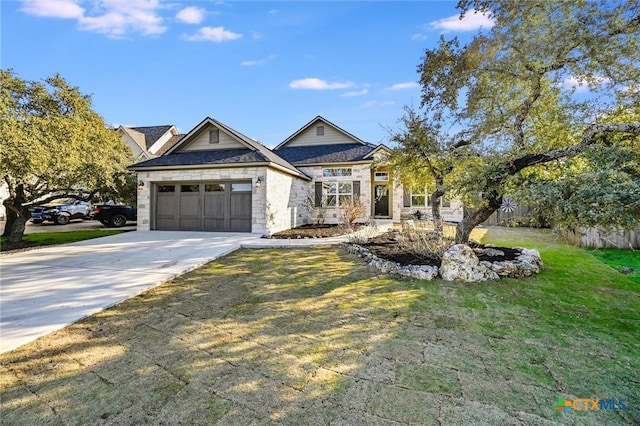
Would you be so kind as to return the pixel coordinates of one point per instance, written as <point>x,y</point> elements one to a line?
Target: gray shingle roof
<point>214,157</point>
<point>342,153</point>
<point>152,133</point>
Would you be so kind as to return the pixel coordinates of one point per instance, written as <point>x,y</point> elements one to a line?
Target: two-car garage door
<point>203,206</point>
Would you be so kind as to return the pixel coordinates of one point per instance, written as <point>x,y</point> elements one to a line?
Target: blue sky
<point>263,68</point>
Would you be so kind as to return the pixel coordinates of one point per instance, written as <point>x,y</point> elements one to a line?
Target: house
<point>217,179</point>
<point>149,141</point>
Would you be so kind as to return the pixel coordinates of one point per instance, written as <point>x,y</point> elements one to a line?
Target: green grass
<point>53,238</point>
<point>313,336</point>
<point>624,261</point>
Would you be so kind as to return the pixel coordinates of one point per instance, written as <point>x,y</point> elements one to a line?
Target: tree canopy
<point>53,146</point>
<point>544,86</point>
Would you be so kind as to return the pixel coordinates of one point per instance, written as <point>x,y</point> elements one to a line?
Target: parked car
<point>61,211</point>
<point>113,215</point>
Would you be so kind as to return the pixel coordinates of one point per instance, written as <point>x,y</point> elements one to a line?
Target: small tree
<point>424,156</point>
<point>53,146</point>
<point>351,210</point>
<point>316,211</point>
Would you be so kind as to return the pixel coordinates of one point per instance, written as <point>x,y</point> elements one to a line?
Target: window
<point>381,176</point>
<point>418,197</point>
<point>336,172</point>
<point>189,188</point>
<point>166,188</point>
<point>238,187</point>
<point>214,136</point>
<point>214,187</point>
<point>337,194</point>
<point>320,131</point>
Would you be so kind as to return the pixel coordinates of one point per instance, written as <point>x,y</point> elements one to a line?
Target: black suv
<point>60,211</point>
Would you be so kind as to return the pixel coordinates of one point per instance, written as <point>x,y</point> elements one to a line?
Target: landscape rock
<point>488,251</point>
<point>460,263</point>
<point>421,272</point>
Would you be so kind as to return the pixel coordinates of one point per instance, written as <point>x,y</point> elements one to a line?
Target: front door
<point>381,200</point>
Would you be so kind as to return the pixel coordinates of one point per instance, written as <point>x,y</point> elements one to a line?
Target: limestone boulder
<point>420,272</point>
<point>460,263</point>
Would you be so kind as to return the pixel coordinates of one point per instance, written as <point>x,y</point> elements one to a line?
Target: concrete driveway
<point>46,289</point>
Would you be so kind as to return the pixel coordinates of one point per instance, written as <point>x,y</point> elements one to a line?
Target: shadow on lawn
<point>259,336</point>
<point>310,336</point>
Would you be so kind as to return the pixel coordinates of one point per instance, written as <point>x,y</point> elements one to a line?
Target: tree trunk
<point>17,230</point>
<point>22,215</point>
<point>435,198</point>
<point>11,217</point>
<point>473,218</point>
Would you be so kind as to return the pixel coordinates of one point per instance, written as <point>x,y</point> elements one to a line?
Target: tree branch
<point>589,138</point>
<point>58,196</point>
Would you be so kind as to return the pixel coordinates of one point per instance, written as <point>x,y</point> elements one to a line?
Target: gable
<point>309,135</point>
<point>200,141</point>
<point>134,140</point>
<point>232,148</point>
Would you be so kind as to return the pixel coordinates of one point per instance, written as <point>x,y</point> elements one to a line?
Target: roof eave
<point>333,163</point>
<point>217,166</point>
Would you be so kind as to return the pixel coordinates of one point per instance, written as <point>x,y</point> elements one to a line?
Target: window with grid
<point>337,194</point>
<point>418,197</point>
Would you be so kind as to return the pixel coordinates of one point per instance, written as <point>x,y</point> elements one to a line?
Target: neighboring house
<point>149,141</point>
<point>217,179</point>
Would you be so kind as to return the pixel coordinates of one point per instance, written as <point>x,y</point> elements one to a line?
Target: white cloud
<point>472,21</point>
<point>581,84</point>
<point>377,104</point>
<point>262,61</point>
<point>53,9</point>
<point>215,34</point>
<point>419,36</point>
<point>403,86</point>
<point>115,18</point>
<point>355,93</point>
<point>191,15</point>
<point>317,84</point>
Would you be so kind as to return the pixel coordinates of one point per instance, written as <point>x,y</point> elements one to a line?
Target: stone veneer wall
<point>359,172</point>
<point>285,201</point>
<point>258,223</point>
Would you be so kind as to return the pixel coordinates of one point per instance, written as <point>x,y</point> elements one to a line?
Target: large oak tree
<point>53,146</point>
<point>517,91</point>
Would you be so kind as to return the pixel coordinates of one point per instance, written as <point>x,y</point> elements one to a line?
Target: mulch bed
<point>314,231</point>
<point>386,247</point>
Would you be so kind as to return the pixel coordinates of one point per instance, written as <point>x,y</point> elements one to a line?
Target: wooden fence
<point>601,238</point>
<point>520,216</point>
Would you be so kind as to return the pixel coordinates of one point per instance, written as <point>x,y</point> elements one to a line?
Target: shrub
<point>350,211</point>
<point>427,245</point>
<point>362,235</point>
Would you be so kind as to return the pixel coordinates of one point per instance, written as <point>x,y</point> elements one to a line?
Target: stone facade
<point>285,204</point>
<point>152,178</point>
<point>359,172</point>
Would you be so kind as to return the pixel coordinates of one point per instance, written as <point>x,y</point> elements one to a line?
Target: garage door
<point>204,206</point>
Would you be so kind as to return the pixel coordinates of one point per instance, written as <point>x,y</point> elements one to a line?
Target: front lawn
<point>312,336</point>
<point>52,238</point>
